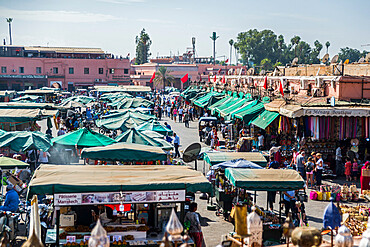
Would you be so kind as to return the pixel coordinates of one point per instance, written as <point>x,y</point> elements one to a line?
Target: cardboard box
<point>366,172</point>
<point>16,182</point>
<point>67,220</point>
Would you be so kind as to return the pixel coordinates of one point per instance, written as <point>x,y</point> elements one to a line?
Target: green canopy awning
<point>135,136</point>
<point>25,140</point>
<point>126,152</point>
<point>203,101</point>
<point>123,121</point>
<point>248,114</point>
<point>9,163</point>
<point>27,97</point>
<point>52,179</point>
<point>133,103</point>
<point>155,126</point>
<point>264,119</point>
<point>235,107</point>
<point>214,158</point>
<point>83,138</point>
<point>265,179</point>
<point>227,104</point>
<point>218,103</point>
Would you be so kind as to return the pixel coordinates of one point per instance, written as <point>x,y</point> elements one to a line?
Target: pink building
<point>141,74</point>
<point>35,67</point>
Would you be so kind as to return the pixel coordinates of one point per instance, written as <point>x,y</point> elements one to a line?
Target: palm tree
<point>162,77</point>
<point>327,44</point>
<point>231,43</point>
<point>236,48</point>
<point>295,41</point>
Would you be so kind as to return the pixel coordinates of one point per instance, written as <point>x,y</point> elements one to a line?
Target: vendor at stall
<point>105,214</point>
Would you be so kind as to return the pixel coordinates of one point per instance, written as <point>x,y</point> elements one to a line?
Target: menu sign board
<point>119,197</point>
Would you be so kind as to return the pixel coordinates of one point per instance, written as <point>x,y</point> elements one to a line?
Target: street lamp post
<point>9,20</point>
<point>214,37</point>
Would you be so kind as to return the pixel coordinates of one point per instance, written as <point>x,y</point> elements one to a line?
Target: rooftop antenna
<point>214,37</point>
<point>10,20</point>
<point>325,59</point>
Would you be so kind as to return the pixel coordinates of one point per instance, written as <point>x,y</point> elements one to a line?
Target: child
<point>348,169</point>
<point>354,169</point>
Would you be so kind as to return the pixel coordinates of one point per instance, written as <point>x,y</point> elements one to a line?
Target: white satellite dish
<point>367,57</point>
<point>362,60</point>
<point>250,71</point>
<point>262,72</point>
<point>325,58</point>
<point>295,61</point>
<point>334,59</point>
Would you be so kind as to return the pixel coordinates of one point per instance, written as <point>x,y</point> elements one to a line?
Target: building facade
<point>68,68</point>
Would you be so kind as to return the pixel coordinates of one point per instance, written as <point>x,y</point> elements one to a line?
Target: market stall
<point>142,198</point>
<point>214,158</point>
<point>125,152</point>
<point>236,182</point>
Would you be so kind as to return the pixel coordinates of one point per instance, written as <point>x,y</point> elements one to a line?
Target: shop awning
<point>52,179</point>
<point>264,119</point>
<point>19,115</point>
<point>220,102</point>
<point>295,111</point>
<point>227,104</point>
<point>246,106</point>
<point>248,114</point>
<point>203,101</point>
<point>239,104</point>
<point>214,158</point>
<point>265,179</point>
<point>125,152</point>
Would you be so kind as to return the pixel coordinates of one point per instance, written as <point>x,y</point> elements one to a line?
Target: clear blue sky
<point>113,24</point>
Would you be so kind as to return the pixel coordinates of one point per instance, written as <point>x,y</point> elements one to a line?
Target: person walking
<point>181,112</point>
<point>176,143</point>
<point>192,219</point>
<point>354,169</point>
<point>174,113</point>
<point>348,169</point>
<point>186,119</point>
<point>309,166</point>
<point>300,164</point>
<point>319,168</point>
<point>338,161</point>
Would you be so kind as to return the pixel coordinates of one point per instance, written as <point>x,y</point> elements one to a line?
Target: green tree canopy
<point>353,55</point>
<point>143,43</point>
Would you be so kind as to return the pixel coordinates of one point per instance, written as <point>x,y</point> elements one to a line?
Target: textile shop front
<point>323,130</point>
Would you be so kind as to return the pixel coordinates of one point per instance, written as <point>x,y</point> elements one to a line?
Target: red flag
<point>151,79</point>
<point>219,71</point>
<point>215,79</point>
<point>200,77</point>
<point>185,78</point>
<point>223,79</point>
<point>227,60</point>
<point>281,89</point>
<point>209,78</point>
<point>265,84</point>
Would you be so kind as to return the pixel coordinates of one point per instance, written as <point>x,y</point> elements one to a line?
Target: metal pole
<point>10,32</point>
<point>214,51</point>
<point>57,222</point>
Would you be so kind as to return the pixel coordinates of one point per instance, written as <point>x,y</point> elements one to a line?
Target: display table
<point>365,179</point>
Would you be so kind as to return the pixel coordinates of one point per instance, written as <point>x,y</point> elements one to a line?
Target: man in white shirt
<point>261,140</point>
